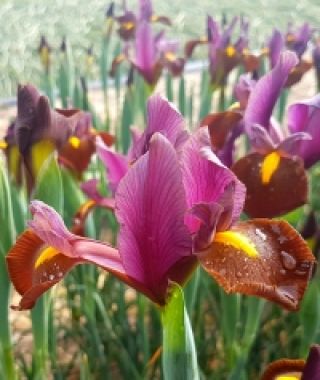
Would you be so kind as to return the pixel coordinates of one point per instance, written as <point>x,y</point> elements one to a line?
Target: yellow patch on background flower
<point>269,165</point>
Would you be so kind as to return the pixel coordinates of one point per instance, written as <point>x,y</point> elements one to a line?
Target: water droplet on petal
<point>288,261</point>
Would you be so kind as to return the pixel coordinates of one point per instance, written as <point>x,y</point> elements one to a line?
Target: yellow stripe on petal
<point>128,25</point>
<point>238,241</point>
<point>3,144</point>
<point>269,165</point>
<point>47,254</point>
<point>288,377</point>
<point>40,151</point>
<point>171,57</point>
<point>74,142</point>
<point>14,161</point>
<point>230,51</point>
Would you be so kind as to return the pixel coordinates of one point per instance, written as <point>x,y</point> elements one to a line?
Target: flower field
<point>159,190</point>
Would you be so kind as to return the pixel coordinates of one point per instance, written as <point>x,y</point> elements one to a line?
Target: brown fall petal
<point>34,268</point>
<point>283,367</point>
<point>286,190</point>
<point>262,257</point>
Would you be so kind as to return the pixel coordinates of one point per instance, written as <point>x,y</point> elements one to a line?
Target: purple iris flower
<point>177,205</point>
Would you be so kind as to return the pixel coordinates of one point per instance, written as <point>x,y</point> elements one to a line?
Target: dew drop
<point>288,261</point>
<point>283,271</point>
<point>261,235</point>
<point>51,277</point>
<point>223,272</point>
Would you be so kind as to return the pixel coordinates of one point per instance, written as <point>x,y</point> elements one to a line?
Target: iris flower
<point>274,173</point>
<point>224,55</point>
<point>295,369</point>
<point>176,207</point>
<point>296,42</point>
<point>129,21</point>
<point>44,51</point>
<point>39,130</point>
<point>150,53</point>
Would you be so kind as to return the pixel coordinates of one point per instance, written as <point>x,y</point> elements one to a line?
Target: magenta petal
<point>208,214</point>
<point>116,164</point>
<point>305,117</point>
<point>150,207</point>
<point>243,88</point>
<point>145,51</point>
<point>267,90</point>
<point>292,144</point>
<point>275,45</point>
<point>90,188</point>
<point>260,139</point>
<point>163,117</point>
<point>206,179</point>
<point>48,225</point>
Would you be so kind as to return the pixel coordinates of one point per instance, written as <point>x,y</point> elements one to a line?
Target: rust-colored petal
<point>283,367</point>
<point>297,72</point>
<point>34,268</point>
<point>262,257</point>
<point>220,125</point>
<point>192,44</point>
<point>77,157</point>
<point>115,63</point>
<point>250,62</point>
<point>274,195</point>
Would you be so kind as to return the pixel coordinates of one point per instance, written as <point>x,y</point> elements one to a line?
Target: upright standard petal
<point>267,90</point>
<point>150,206</point>
<point>206,179</point>
<point>305,117</point>
<point>263,258</point>
<point>275,46</point>
<point>163,117</point>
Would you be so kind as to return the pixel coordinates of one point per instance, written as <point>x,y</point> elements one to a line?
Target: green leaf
<point>179,358</point>
<point>6,215</point>
<point>310,317</point>
<point>49,187</point>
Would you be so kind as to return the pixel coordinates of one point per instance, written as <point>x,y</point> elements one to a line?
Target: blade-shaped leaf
<point>179,354</point>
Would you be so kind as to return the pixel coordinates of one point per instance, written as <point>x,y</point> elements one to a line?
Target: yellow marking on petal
<point>203,39</point>
<point>269,165</point>
<point>234,106</point>
<point>74,142</point>
<point>230,51</point>
<point>14,161</point>
<point>127,25</point>
<point>3,144</point>
<point>46,255</point>
<point>265,51</point>
<point>245,51</point>
<point>154,18</point>
<point>40,151</point>
<point>291,38</point>
<point>238,241</point>
<point>288,377</point>
<point>171,57</point>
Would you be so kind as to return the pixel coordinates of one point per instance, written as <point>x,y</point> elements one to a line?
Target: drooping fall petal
<point>150,206</point>
<point>275,184</point>
<point>295,369</point>
<point>262,257</point>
